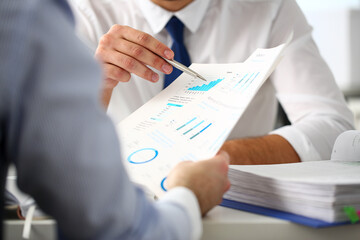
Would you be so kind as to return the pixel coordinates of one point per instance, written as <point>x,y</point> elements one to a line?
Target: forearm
<point>270,149</point>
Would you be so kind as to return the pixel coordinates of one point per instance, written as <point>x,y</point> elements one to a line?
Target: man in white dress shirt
<point>218,31</point>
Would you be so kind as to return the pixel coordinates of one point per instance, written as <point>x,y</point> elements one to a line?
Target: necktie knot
<point>176,29</point>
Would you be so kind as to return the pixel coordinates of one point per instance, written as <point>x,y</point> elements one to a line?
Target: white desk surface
<point>225,223</point>
<point>40,230</point>
<point>220,224</point>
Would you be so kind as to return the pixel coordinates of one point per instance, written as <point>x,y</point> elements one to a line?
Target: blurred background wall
<point>336,26</point>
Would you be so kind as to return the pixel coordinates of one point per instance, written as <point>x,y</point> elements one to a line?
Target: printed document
<point>191,119</point>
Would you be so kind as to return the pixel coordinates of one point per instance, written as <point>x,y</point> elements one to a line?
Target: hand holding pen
<point>185,69</point>
<point>124,50</point>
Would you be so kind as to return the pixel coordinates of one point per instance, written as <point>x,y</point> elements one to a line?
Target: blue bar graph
<point>245,84</point>
<point>201,130</point>
<point>185,124</point>
<point>247,80</point>
<point>241,80</point>
<point>194,127</point>
<point>206,87</point>
<point>174,105</point>
<point>252,80</point>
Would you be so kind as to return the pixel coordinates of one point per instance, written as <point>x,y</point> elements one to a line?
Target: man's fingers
<point>227,186</point>
<point>222,159</point>
<point>224,155</point>
<point>226,160</point>
<point>132,51</point>
<point>132,65</point>
<point>143,55</point>
<point>143,39</point>
<point>116,73</point>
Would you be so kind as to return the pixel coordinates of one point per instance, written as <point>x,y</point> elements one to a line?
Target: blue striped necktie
<point>176,30</point>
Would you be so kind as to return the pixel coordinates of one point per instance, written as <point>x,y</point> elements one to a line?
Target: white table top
<point>220,224</point>
<point>225,223</point>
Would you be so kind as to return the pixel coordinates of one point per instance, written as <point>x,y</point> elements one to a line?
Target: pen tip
<point>202,78</point>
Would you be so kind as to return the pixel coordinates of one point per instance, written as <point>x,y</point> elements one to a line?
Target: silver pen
<point>184,68</point>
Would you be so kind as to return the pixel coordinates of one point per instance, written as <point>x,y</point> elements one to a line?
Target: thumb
<point>224,156</point>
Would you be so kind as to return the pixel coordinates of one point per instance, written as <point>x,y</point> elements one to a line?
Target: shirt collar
<point>158,16</point>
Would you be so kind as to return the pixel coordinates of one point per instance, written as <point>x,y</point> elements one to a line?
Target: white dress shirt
<point>228,31</point>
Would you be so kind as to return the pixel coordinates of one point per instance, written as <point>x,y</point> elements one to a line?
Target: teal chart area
<point>205,87</point>
<point>192,126</point>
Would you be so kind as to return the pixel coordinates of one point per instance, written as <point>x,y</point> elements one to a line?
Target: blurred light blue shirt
<point>65,148</point>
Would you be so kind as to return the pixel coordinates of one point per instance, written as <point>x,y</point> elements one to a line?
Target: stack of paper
<point>317,190</point>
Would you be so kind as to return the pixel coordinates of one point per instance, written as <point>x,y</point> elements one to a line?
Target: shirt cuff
<point>187,200</point>
<point>300,142</point>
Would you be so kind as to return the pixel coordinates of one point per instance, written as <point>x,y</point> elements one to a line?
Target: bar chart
<point>193,125</point>
<point>206,87</point>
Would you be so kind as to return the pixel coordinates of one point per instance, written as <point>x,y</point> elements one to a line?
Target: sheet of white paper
<point>191,118</point>
<point>316,172</point>
<point>347,146</point>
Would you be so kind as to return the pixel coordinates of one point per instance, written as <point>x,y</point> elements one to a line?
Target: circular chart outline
<point>142,149</point>
<point>162,184</point>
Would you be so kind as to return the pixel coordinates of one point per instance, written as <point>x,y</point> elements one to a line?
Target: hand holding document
<point>191,119</point>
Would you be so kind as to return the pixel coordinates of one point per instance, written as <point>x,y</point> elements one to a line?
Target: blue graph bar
<point>252,80</point>
<point>156,119</point>
<point>206,87</point>
<point>241,80</point>
<point>185,124</point>
<point>174,105</point>
<point>194,127</point>
<point>201,130</point>
<point>247,80</point>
